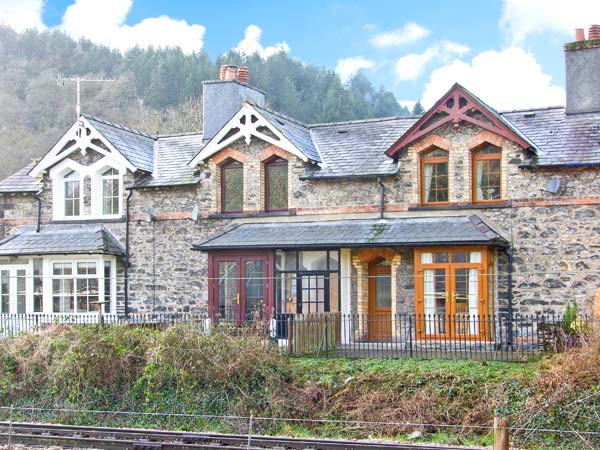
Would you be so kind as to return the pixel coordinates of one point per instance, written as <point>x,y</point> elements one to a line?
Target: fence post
<point>500,433</point>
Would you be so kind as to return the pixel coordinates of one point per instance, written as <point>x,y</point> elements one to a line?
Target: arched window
<point>276,184</point>
<point>72,189</point>
<point>110,192</point>
<point>434,177</point>
<point>486,174</point>
<point>232,187</point>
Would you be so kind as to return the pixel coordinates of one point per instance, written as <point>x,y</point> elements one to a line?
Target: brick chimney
<point>221,99</point>
<point>582,67</point>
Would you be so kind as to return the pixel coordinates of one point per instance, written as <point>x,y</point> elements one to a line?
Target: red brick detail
<point>227,153</point>
<point>17,222</point>
<point>273,150</point>
<point>485,136</point>
<point>368,255</point>
<point>432,141</point>
<point>162,217</point>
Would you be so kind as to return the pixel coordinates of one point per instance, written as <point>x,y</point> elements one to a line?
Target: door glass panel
<point>313,293</point>
<point>255,290</point>
<point>383,291</point>
<point>228,290</point>
<point>466,293</point>
<point>21,291</point>
<point>435,301</point>
<point>334,284</point>
<point>4,291</point>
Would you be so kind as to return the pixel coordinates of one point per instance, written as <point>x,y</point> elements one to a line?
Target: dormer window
<point>486,174</point>
<point>434,177</point>
<point>72,190</point>
<point>232,187</point>
<point>110,192</point>
<point>276,184</point>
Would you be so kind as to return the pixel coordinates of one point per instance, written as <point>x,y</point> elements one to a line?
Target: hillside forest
<point>154,90</point>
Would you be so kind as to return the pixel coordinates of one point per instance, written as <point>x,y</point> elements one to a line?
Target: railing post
<point>410,335</point>
<point>501,437</point>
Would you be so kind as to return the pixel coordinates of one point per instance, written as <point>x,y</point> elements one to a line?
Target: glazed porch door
<point>380,301</point>
<point>242,288</point>
<point>13,289</point>
<point>452,292</point>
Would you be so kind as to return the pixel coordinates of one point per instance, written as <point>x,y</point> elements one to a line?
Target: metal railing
<point>496,337</point>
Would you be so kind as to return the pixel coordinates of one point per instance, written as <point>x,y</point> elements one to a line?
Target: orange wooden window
<point>487,174</point>
<point>434,177</point>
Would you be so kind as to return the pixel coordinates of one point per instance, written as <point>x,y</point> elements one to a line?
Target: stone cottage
<point>462,211</point>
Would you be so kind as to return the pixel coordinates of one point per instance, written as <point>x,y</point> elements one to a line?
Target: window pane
<point>334,263</point>
<point>72,194</point>
<point>228,291</point>
<point>4,291</point>
<point>383,291</point>
<point>86,268</point>
<point>110,196</point>
<point>233,187</point>
<point>435,182</point>
<point>37,285</point>
<point>487,179</point>
<point>285,294</point>
<point>277,183</point>
<point>285,260</point>
<point>107,286</point>
<point>316,260</point>
<point>21,291</point>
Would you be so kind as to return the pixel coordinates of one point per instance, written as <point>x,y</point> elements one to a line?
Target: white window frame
<point>13,268</point>
<point>94,172</point>
<point>98,260</point>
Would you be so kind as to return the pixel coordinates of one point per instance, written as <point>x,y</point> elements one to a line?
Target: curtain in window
<point>479,166</point>
<point>473,300</point>
<point>427,173</point>
<point>429,300</point>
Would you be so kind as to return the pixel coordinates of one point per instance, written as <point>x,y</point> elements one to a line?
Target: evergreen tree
<point>418,109</point>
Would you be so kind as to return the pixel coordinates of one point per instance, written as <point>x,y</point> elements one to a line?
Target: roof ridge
<point>351,122</point>
<point>119,126</point>
<point>541,108</point>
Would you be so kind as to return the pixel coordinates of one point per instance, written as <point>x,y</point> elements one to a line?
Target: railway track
<point>141,439</point>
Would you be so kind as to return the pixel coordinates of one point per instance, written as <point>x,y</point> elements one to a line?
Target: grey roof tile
<point>357,233</point>
<point>62,239</point>
<point>357,148</point>
<point>20,181</point>
<point>563,139</point>
<point>173,152</point>
<point>137,147</point>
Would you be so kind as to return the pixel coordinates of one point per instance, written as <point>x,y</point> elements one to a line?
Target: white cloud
<point>346,68</point>
<point>22,14</point>
<point>410,32</point>
<point>522,18</point>
<point>509,79</point>
<point>251,44</point>
<point>104,23</point>
<point>411,66</point>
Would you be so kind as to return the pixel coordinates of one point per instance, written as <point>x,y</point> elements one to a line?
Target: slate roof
<point>563,139</point>
<point>173,152</point>
<point>357,148</point>
<point>137,147</point>
<point>62,239</point>
<point>403,232</point>
<point>20,181</point>
<point>296,132</point>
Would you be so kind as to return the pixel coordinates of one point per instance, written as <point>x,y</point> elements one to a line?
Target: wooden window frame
<point>228,165</point>
<point>475,156</point>
<point>483,301</point>
<point>424,159</point>
<point>273,162</point>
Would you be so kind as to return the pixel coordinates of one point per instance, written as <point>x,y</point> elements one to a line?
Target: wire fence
<point>331,335</point>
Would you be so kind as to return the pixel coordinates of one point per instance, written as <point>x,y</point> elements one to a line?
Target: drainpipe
<point>38,197</point>
<point>382,199</point>
<point>510,294</point>
<point>126,287</point>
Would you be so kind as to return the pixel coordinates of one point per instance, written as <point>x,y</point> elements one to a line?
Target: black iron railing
<point>497,337</point>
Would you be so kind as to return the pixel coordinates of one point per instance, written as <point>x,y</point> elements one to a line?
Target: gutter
<point>365,176</point>
<point>126,271</point>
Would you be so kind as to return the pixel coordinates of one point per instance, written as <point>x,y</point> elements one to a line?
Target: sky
<point>508,52</point>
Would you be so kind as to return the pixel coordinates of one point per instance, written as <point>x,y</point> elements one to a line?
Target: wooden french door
<point>380,301</point>
<point>240,286</point>
<point>451,288</point>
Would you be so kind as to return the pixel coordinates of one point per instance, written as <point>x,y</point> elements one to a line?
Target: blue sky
<point>507,51</point>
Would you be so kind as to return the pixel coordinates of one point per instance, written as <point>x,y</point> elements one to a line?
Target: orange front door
<point>380,301</point>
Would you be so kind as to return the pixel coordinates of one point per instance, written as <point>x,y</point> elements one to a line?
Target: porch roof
<point>403,232</point>
<point>61,240</point>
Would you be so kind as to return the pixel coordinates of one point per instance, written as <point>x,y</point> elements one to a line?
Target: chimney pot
<point>231,74</point>
<point>223,71</point>
<point>594,32</point>
<point>579,35</point>
<point>243,74</point>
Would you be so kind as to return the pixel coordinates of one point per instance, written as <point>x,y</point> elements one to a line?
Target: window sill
<point>90,220</point>
<point>240,215</point>
<point>460,206</point>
